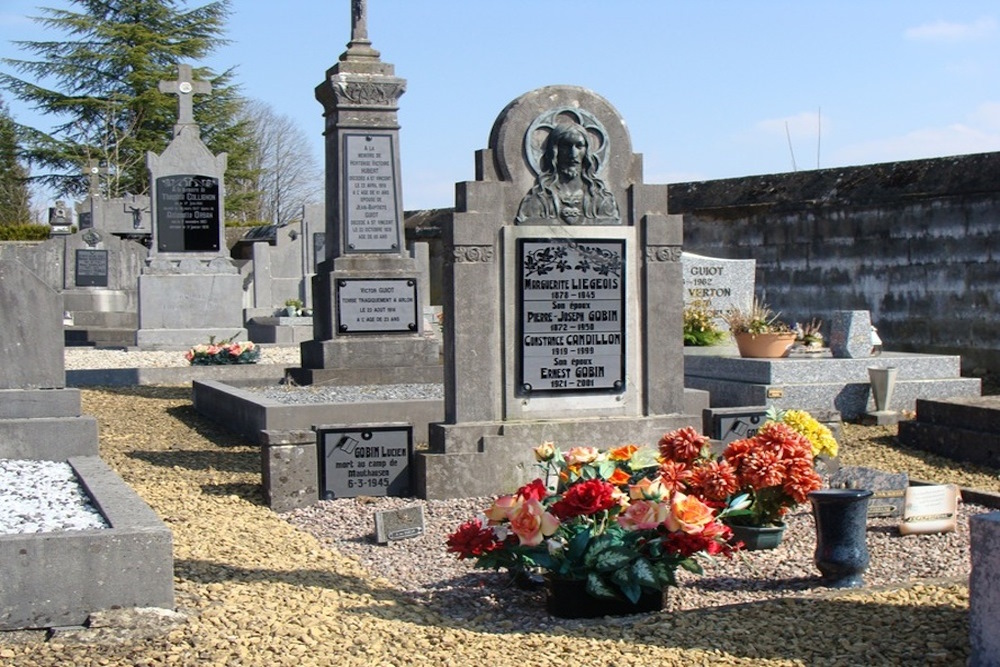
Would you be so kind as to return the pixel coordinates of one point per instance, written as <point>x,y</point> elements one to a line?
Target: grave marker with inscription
<point>364,242</point>
<point>364,461</point>
<point>190,289</point>
<point>91,268</point>
<point>723,284</point>
<point>563,299</point>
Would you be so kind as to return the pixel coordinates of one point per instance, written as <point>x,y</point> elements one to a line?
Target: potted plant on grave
<point>292,307</point>
<point>758,479</point>
<point>700,329</point>
<point>808,335</point>
<point>758,331</point>
<point>606,535</point>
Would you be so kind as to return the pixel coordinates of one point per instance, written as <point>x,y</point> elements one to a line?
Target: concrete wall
<point>915,242</point>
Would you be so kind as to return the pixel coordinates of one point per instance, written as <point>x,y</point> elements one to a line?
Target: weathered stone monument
<point>189,290</point>
<point>720,284</point>
<point>125,217</point>
<point>367,291</point>
<point>563,299</point>
<point>57,578</point>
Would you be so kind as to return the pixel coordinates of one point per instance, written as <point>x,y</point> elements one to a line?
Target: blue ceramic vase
<point>841,517</point>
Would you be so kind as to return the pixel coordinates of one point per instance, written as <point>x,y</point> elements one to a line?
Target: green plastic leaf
<point>691,565</point>
<point>606,469</point>
<point>599,588</point>
<point>613,558</point>
<point>644,574</point>
<point>578,545</point>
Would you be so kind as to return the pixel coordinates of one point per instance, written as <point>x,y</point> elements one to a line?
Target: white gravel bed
<point>79,358</point>
<point>425,571</point>
<point>292,395</point>
<point>43,497</point>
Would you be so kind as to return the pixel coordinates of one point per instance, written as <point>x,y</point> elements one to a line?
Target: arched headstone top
<point>522,130</point>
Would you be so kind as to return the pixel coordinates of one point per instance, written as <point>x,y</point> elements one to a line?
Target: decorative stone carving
<point>663,253</point>
<point>369,92</point>
<point>565,147</point>
<point>469,254</point>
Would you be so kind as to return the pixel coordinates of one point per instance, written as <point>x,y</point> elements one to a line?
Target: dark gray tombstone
<point>365,460</point>
<point>889,489</point>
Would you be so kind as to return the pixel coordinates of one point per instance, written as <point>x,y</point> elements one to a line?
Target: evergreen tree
<point>106,77</point>
<point>15,199</point>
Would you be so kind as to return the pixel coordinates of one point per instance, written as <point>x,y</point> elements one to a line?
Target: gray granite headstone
<point>851,334</point>
<point>724,284</point>
<point>31,331</point>
<point>889,488</point>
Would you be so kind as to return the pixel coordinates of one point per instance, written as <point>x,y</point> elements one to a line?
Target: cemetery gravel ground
<point>255,590</point>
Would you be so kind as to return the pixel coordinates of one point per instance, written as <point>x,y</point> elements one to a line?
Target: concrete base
<point>60,578</point>
<point>881,418</point>
<point>45,424</point>
<point>370,352</point>
<point>489,458</point>
<point>290,471</point>
<point>963,429</point>
<point>984,590</point>
<point>177,376</point>
<point>182,339</point>
<point>251,414</point>
<point>280,330</point>
<point>825,383</point>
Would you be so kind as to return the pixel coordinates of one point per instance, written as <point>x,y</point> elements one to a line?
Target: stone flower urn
<point>841,517</point>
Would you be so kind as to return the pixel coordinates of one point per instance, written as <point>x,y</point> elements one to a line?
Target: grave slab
<point>984,590</point>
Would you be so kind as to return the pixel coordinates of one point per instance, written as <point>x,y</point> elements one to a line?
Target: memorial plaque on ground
<point>364,461</point>
<point>91,268</point>
<point>399,524</point>
<point>370,193</point>
<point>571,319</point>
<point>889,488</point>
<point>187,213</point>
<point>376,306</point>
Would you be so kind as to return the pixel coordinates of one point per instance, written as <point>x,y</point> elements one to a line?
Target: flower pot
<point>756,538</point>
<point>568,598</point>
<point>765,345</point>
<point>841,523</point>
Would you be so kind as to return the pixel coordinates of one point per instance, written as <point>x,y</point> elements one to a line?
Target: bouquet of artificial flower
<point>226,352</point>
<point>597,516</point>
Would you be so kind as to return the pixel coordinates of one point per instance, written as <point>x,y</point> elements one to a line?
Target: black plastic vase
<point>841,517</point>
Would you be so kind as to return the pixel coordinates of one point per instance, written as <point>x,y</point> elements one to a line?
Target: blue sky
<point>708,89</point>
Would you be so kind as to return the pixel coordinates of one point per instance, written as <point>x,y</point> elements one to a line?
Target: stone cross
<point>185,87</point>
<point>93,174</point>
<point>359,21</point>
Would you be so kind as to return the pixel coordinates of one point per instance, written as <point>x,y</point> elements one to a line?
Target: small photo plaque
<point>91,268</point>
<point>377,306</point>
<point>365,461</point>
<point>399,524</point>
<point>730,426</point>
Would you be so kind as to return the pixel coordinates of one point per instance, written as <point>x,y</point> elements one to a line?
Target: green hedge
<point>24,232</point>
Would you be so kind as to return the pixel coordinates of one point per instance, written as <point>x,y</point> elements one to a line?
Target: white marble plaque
<point>377,305</point>
<point>370,216</point>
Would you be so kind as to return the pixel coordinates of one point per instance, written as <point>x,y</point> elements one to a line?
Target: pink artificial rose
<point>531,523</point>
<point>581,455</point>
<point>501,508</point>
<point>644,515</point>
<point>688,514</point>
<point>647,489</point>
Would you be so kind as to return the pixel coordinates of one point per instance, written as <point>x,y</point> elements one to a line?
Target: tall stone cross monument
<point>190,289</point>
<point>366,292</point>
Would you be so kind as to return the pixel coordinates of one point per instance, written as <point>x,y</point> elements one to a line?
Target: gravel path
<point>310,588</point>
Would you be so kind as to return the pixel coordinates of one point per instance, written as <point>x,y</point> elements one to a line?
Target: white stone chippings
<point>42,497</point>
<point>80,358</point>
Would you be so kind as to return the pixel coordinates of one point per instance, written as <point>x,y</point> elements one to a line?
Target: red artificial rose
<point>584,498</point>
<point>534,490</point>
<point>472,539</point>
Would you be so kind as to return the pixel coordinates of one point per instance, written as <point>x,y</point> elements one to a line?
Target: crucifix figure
<point>185,88</point>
